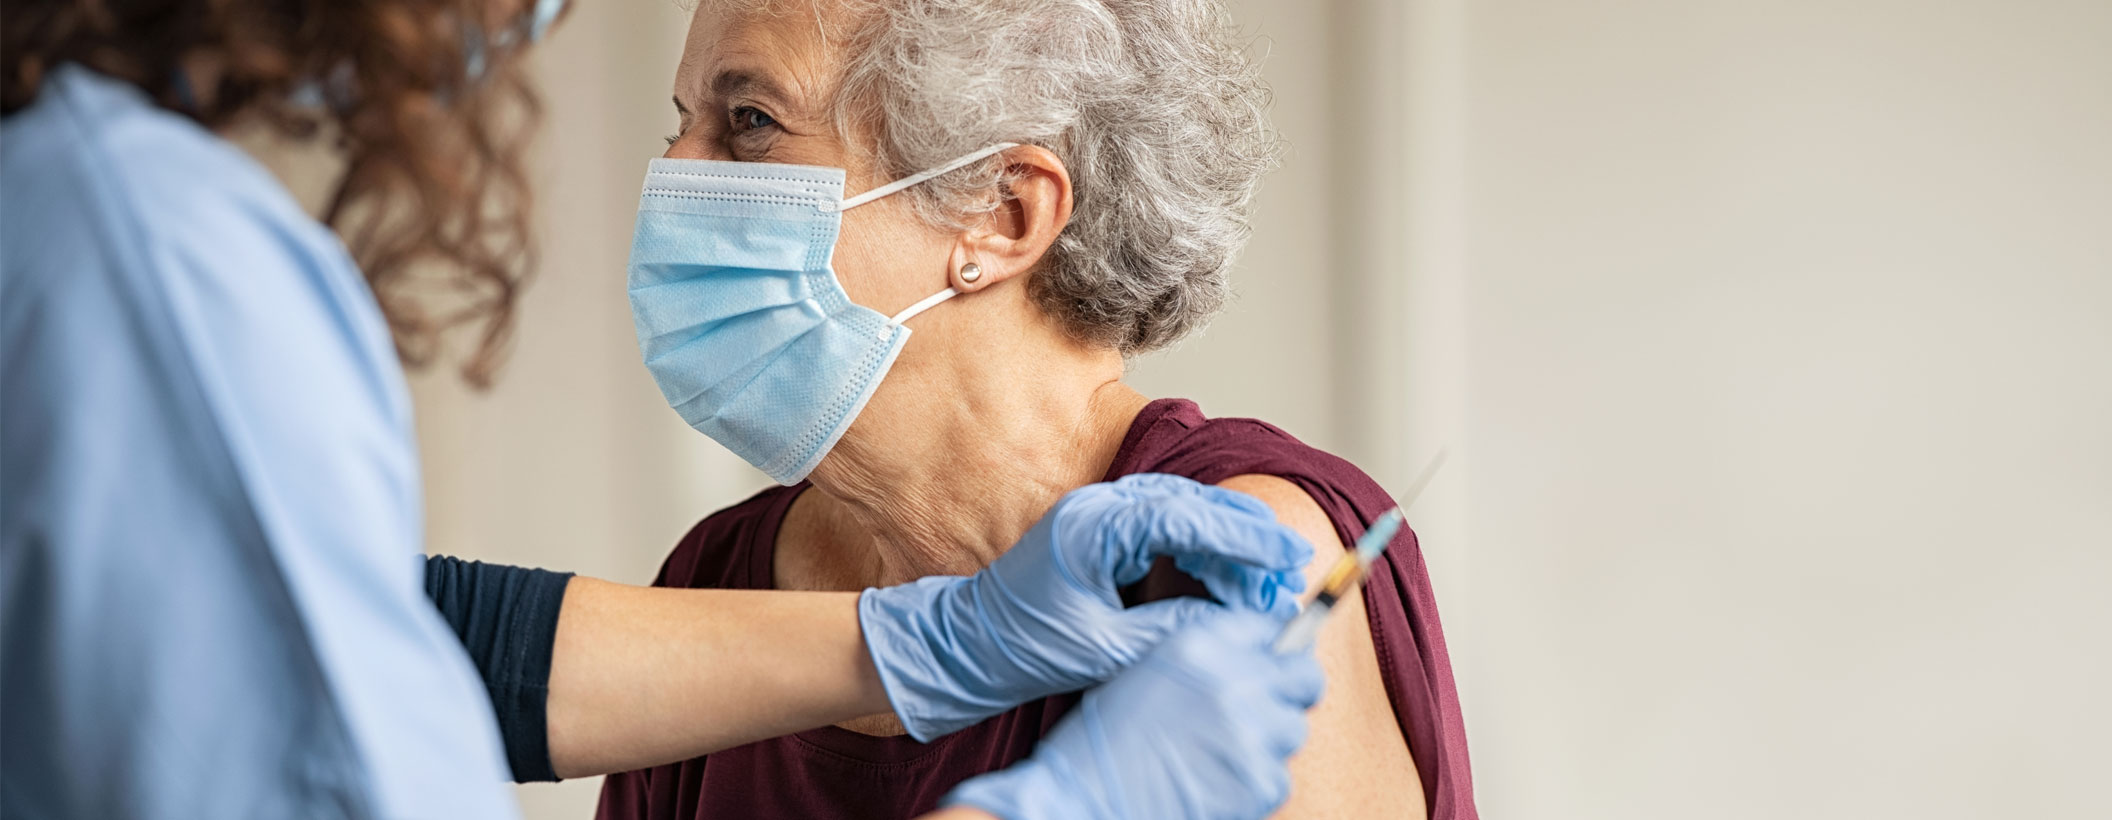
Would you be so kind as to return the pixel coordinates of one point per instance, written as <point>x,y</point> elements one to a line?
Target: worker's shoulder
<point>100,177</point>
<point>135,218</point>
<point>142,252</point>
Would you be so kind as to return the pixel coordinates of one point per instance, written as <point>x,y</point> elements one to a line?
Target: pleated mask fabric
<point>739,314</point>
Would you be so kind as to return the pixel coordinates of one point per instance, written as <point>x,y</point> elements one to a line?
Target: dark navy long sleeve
<point>507,619</point>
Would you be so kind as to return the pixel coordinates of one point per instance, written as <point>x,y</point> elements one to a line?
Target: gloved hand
<point>1201,728</point>
<point>1045,617</point>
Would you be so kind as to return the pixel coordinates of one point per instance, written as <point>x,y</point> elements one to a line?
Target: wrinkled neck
<point>971,439</point>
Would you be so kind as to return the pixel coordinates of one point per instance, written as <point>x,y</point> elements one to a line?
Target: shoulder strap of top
<point>1173,436</point>
<point>723,550</point>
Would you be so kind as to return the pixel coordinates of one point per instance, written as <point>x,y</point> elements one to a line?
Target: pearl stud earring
<point>971,272</point>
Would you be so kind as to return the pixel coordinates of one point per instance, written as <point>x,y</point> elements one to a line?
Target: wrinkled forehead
<point>795,45</point>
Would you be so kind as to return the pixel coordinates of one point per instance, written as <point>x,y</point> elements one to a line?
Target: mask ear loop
<point>900,184</point>
<point>897,186</point>
<point>924,305</point>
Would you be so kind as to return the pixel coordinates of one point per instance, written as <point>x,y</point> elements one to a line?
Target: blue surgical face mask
<point>740,317</point>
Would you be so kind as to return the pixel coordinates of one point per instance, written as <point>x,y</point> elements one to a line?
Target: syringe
<point>1341,582</point>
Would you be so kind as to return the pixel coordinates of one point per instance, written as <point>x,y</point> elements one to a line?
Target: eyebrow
<point>736,81</point>
<point>740,81</point>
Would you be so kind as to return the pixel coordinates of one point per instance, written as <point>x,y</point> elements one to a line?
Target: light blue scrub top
<point>210,580</point>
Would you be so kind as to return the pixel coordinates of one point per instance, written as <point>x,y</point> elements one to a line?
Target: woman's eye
<point>672,139</point>
<point>748,118</point>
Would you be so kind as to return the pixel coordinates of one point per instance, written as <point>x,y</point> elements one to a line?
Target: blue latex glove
<point>1201,728</point>
<point>1045,618</point>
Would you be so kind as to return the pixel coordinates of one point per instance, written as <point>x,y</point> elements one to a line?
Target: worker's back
<point>209,500</point>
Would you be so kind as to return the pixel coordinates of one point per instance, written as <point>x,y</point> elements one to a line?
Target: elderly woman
<point>1040,189</point>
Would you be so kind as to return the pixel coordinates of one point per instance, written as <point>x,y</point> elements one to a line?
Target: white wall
<point>1767,340</point>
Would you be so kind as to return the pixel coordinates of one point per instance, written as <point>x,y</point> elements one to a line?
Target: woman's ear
<point>1011,240</point>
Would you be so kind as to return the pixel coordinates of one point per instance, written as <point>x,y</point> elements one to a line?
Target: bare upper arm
<point>1356,764</point>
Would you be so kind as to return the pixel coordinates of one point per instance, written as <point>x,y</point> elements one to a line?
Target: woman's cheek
<point>879,257</point>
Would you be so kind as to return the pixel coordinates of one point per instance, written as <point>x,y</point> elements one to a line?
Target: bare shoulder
<point>1293,507</point>
<point>1356,763</point>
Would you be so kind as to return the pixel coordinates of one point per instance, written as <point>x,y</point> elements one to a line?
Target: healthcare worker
<point>209,496</point>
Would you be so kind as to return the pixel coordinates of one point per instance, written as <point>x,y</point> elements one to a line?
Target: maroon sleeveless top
<point>836,773</point>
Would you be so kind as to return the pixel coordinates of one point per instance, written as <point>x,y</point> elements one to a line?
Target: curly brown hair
<point>433,202</point>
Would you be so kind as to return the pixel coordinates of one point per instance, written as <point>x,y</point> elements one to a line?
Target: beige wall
<point>1790,373</point>
<point>1768,342</point>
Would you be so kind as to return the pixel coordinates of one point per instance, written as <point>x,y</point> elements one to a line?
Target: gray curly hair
<point>1153,106</point>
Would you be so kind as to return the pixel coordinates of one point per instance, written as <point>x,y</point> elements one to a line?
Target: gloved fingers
<point>1276,706</point>
<point>1148,486</point>
<point>1241,637</point>
<point>1200,527</point>
<point>1241,646</point>
<point>1159,619</point>
<point>1275,785</point>
<point>1274,592</point>
<point>1228,644</point>
<point>1284,730</point>
<point>1298,679</point>
<point>1206,525</point>
<point>1117,518</point>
